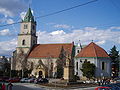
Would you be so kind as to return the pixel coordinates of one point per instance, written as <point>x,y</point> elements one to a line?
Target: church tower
<point>27,37</point>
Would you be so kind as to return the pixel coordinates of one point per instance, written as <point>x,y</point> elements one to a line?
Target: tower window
<point>23,42</point>
<point>78,51</point>
<point>25,26</point>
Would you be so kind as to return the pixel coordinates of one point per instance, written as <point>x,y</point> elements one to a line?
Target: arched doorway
<point>40,74</point>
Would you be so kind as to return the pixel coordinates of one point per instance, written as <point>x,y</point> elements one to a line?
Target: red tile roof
<point>49,50</point>
<point>92,50</point>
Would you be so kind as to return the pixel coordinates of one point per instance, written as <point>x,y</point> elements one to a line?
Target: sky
<point>98,21</point>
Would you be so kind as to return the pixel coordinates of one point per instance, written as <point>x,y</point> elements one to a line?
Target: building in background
<point>4,66</point>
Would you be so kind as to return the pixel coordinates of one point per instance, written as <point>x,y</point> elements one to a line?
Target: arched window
<point>78,51</point>
<point>103,65</point>
<point>23,42</point>
<point>76,65</point>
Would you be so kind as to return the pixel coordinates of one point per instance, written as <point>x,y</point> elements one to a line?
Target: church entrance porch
<point>40,74</point>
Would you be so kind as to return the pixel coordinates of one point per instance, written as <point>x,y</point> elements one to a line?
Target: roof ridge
<point>54,43</point>
<point>95,49</point>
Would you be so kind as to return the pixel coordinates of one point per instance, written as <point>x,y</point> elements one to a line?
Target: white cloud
<point>5,12</point>
<point>62,26</point>
<point>115,28</point>
<point>85,35</point>
<point>10,21</point>
<point>101,42</point>
<point>7,47</point>
<point>58,32</point>
<point>4,32</point>
<point>11,7</point>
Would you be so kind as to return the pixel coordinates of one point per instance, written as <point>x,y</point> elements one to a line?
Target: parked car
<point>103,88</point>
<point>41,80</point>
<point>13,80</point>
<point>118,81</point>
<point>115,86</point>
<point>23,80</point>
<point>5,79</point>
<point>31,80</point>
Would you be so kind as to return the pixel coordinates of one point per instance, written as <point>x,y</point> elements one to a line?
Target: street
<point>26,86</point>
<point>29,86</point>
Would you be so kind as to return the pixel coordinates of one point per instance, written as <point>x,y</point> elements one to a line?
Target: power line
<point>55,12</point>
<point>114,4</point>
<point>9,24</point>
<point>66,9</point>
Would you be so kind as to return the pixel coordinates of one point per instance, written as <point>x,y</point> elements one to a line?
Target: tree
<point>21,61</point>
<point>61,62</point>
<point>88,69</point>
<point>114,55</point>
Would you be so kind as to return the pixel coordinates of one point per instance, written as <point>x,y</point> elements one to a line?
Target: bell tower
<point>27,37</point>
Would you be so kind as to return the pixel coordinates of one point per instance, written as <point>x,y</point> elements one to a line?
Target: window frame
<point>25,26</point>
<point>23,42</point>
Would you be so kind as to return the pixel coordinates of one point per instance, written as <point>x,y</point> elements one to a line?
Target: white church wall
<point>107,71</point>
<point>98,63</point>
<point>80,61</point>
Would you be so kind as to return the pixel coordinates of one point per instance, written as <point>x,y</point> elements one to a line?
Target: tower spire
<point>29,17</point>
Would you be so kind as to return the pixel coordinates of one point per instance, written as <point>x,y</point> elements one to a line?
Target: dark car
<point>5,79</point>
<point>13,80</point>
<point>41,80</point>
<point>115,86</point>
<point>31,80</point>
<point>103,88</point>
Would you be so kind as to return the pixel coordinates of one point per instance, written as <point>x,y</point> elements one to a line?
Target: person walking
<point>3,86</point>
<point>9,87</point>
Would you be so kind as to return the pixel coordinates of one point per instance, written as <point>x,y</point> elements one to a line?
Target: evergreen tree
<point>88,69</point>
<point>114,55</point>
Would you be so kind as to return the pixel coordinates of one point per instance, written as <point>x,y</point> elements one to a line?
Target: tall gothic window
<point>23,42</point>
<point>76,65</point>
<point>103,65</point>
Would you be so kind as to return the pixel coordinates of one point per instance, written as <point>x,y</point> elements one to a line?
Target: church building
<point>44,60</point>
<point>96,55</point>
<point>48,60</point>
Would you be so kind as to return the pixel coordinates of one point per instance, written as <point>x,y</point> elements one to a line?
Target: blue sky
<point>97,21</point>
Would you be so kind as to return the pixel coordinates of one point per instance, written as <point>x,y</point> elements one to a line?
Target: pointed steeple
<point>29,17</point>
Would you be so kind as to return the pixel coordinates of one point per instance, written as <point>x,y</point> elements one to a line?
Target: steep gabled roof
<point>49,50</point>
<point>92,50</point>
<point>28,17</point>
